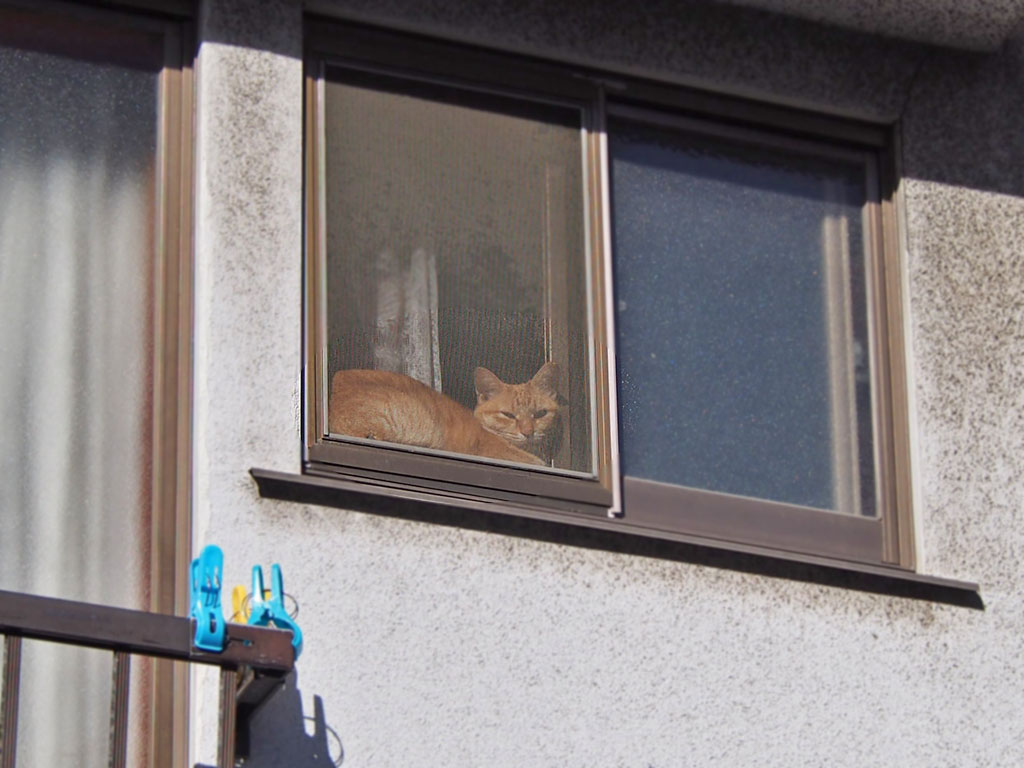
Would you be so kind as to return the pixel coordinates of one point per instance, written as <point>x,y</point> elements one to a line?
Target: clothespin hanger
<point>264,612</point>
<point>207,571</point>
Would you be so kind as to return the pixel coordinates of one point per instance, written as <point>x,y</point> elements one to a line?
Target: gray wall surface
<point>430,644</point>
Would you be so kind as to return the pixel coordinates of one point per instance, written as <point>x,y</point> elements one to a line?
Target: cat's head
<point>523,414</point>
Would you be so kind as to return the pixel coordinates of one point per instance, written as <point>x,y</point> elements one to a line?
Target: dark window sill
<point>612,535</point>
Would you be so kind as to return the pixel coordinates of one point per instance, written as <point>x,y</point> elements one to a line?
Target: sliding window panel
<point>742,267</point>
<point>455,275</point>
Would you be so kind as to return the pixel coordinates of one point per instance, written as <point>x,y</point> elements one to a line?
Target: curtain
<point>405,332</point>
<point>77,143</point>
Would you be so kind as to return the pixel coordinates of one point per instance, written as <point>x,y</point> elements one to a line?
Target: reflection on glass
<point>742,335</point>
<point>456,305</point>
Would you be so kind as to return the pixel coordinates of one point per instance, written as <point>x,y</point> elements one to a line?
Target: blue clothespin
<point>207,570</point>
<point>272,611</point>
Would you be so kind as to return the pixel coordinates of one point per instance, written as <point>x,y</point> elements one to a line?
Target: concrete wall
<point>524,645</point>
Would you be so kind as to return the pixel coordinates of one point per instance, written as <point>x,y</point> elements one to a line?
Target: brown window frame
<point>627,504</point>
<point>169,512</point>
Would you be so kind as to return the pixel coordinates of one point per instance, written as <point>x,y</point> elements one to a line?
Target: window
<point>483,234</point>
<point>94,339</point>
<point>749,364</point>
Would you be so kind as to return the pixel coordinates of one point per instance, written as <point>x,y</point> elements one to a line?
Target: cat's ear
<point>546,379</point>
<point>487,384</point>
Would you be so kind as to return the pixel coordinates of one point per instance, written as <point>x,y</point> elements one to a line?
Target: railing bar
<point>119,710</point>
<point>9,700</point>
<point>138,632</point>
<point>226,739</point>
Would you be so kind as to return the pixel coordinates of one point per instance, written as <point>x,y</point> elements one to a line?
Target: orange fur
<point>381,405</point>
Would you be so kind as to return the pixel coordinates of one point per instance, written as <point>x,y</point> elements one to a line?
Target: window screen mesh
<point>455,240</point>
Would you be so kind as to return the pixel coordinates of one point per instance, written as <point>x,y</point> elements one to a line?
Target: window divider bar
<point>119,710</point>
<point>9,700</point>
<point>606,423</point>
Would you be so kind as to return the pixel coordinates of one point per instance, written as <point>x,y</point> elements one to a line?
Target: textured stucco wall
<point>430,644</point>
<point>248,245</point>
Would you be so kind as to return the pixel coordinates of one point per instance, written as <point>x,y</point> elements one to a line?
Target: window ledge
<point>608,534</point>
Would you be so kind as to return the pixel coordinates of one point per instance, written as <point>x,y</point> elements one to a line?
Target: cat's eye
<point>541,413</point>
<point>508,415</point>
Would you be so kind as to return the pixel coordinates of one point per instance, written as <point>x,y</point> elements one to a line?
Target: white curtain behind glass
<point>405,332</point>
<point>77,142</point>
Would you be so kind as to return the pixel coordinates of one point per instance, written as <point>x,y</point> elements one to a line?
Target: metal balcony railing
<point>253,665</point>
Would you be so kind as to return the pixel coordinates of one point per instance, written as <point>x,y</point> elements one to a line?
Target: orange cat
<point>381,405</point>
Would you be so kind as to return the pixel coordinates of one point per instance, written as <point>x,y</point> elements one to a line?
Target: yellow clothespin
<point>239,605</point>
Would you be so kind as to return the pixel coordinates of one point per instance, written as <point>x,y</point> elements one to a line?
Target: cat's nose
<point>526,427</point>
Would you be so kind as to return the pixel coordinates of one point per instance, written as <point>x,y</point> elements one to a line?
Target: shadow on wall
<point>281,734</point>
<point>959,126</point>
<point>957,108</point>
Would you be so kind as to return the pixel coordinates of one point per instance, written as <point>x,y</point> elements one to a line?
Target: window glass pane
<point>456,267</point>
<point>77,146</point>
<point>742,333</point>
